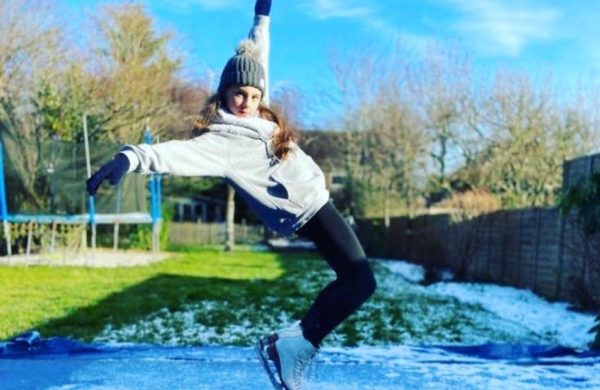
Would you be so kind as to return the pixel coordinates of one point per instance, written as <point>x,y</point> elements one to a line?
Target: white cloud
<point>363,12</point>
<point>330,9</point>
<point>186,5</point>
<point>506,27</point>
<point>215,4</point>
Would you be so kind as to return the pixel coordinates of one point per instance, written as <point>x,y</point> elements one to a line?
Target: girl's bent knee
<point>370,283</point>
<point>363,278</point>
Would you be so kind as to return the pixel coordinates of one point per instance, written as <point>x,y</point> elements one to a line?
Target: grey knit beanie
<point>243,69</point>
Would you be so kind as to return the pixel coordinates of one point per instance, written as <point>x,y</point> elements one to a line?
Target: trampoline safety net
<point>49,178</point>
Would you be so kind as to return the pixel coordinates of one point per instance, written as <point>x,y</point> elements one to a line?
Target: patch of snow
<point>547,319</point>
<point>551,321</point>
<point>259,248</point>
<point>283,243</point>
<point>411,272</point>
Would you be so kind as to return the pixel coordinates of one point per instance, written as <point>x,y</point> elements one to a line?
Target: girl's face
<point>243,101</point>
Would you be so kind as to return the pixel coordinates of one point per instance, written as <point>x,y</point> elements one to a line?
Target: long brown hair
<point>283,137</point>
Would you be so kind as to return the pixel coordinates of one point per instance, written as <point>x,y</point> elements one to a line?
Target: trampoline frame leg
<point>8,238</point>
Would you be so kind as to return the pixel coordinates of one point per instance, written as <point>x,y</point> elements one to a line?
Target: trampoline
<point>137,200</point>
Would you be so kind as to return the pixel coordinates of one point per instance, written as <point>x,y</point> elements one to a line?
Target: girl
<point>245,143</point>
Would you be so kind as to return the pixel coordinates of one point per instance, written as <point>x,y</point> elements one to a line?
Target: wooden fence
<point>535,248</point>
<point>188,233</point>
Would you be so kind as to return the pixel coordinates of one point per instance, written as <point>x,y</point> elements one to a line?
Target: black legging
<point>355,282</point>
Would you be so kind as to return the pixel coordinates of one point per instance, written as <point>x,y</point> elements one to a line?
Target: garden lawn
<point>202,297</point>
<point>80,302</point>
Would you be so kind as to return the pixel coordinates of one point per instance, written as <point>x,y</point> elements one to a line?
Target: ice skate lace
<point>300,367</point>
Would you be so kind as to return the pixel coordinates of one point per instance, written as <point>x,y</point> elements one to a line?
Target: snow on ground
<point>183,328</point>
<point>403,312</point>
<point>550,320</point>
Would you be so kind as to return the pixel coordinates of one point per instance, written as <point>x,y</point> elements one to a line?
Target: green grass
<point>206,296</point>
<point>80,302</point>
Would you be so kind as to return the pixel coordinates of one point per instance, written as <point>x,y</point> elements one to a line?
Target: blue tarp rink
<point>31,362</point>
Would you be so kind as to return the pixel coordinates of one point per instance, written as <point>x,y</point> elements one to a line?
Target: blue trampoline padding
<point>81,218</point>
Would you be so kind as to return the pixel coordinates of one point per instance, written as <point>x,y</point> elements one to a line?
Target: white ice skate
<point>286,356</point>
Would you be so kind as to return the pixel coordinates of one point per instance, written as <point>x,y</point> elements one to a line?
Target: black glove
<point>262,7</point>
<point>113,170</point>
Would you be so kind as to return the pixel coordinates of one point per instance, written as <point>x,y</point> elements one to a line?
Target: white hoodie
<point>284,194</point>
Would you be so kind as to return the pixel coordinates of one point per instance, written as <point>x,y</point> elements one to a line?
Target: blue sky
<point>554,36</point>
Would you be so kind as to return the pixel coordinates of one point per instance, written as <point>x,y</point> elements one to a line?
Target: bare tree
<point>29,51</point>
<point>135,74</point>
<point>532,134</point>
<point>289,102</point>
<point>385,143</point>
<point>396,148</point>
<point>188,97</point>
<point>441,85</point>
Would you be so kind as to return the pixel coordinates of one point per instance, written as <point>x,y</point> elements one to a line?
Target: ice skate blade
<point>260,347</point>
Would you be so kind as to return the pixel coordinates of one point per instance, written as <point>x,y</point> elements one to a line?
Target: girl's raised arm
<point>260,35</point>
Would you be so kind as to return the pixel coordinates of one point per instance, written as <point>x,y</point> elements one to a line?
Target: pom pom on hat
<point>248,47</point>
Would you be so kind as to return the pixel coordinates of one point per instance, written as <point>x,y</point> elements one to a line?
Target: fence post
<point>538,227</point>
<point>91,204</point>
<point>520,251</point>
<point>3,204</point>
<point>504,245</point>
<point>154,214</point>
<point>29,239</point>
<point>490,225</point>
<point>561,253</point>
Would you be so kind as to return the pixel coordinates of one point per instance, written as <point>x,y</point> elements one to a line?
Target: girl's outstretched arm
<point>206,155</point>
<point>260,35</point>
